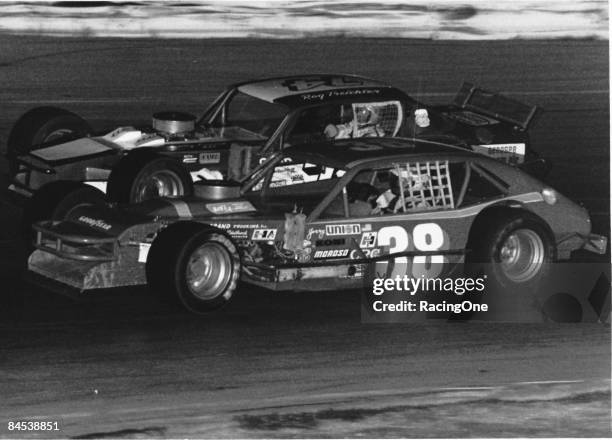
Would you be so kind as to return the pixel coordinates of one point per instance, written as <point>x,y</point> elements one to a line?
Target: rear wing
<point>494,105</point>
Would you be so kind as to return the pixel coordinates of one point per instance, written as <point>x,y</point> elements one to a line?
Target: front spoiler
<point>87,275</point>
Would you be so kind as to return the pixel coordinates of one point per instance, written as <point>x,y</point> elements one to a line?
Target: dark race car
<point>54,157</point>
<point>313,218</point>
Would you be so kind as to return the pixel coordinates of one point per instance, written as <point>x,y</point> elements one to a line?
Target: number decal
<point>399,237</point>
<point>426,237</point>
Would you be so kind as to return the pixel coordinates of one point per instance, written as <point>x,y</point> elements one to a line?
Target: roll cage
<point>467,174</point>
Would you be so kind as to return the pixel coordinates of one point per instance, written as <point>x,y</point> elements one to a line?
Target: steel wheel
<point>208,271</point>
<point>161,183</point>
<point>522,255</point>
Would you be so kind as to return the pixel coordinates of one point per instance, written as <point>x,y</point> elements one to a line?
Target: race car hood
<point>112,221</point>
<point>129,138</point>
<point>79,148</point>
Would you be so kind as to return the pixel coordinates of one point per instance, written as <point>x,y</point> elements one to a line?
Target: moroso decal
<point>190,158</point>
<point>263,234</point>
<point>210,157</point>
<point>351,229</point>
<point>230,207</point>
<point>332,253</point>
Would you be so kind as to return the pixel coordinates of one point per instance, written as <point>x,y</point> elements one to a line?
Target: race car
<point>314,218</point>
<point>54,157</point>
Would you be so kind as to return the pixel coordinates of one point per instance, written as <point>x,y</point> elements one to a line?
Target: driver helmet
<point>366,114</point>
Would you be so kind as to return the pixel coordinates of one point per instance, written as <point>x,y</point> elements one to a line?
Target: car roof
<point>350,153</point>
<point>289,89</point>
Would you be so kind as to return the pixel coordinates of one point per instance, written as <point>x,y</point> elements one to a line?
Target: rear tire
<point>195,265</point>
<point>513,250</point>
<point>40,127</point>
<point>139,177</point>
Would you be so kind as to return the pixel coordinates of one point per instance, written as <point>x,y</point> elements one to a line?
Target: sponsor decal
<point>221,225</point>
<point>237,234</point>
<point>513,153</point>
<point>263,234</point>
<point>332,253</point>
<point>190,158</point>
<point>239,226</point>
<point>312,233</point>
<point>358,254</point>
<point>331,242</point>
<point>95,222</point>
<point>210,157</point>
<point>367,227</point>
<point>230,207</point>
<point>351,229</point>
<point>321,96</point>
<point>368,240</point>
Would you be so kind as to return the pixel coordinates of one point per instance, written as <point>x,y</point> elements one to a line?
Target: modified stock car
<point>54,157</point>
<point>314,218</point>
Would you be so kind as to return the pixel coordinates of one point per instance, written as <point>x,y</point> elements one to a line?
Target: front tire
<point>195,265</point>
<point>140,177</point>
<point>57,200</point>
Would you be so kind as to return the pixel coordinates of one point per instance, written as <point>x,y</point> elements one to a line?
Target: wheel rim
<point>162,183</point>
<point>57,134</point>
<point>208,271</point>
<point>522,255</point>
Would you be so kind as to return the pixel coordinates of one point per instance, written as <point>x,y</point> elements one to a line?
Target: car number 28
<point>426,237</point>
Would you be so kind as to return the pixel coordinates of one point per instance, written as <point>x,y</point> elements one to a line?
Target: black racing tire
<point>43,126</point>
<point>56,200</point>
<point>512,251</point>
<point>138,177</point>
<point>194,265</point>
<point>516,247</point>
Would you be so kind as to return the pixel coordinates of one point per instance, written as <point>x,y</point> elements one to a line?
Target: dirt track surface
<point>300,364</point>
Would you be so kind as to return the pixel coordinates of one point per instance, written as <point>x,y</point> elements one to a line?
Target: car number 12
<point>426,237</point>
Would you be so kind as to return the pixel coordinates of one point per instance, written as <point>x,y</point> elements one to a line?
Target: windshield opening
<point>287,183</point>
<point>254,114</point>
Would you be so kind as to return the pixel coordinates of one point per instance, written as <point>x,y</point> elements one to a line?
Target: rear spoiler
<point>495,106</point>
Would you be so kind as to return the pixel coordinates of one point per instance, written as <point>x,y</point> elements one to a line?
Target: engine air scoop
<point>174,122</point>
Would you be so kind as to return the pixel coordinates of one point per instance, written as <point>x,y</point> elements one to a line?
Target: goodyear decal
<point>96,223</point>
<point>230,207</point>
<point>350,229</point>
